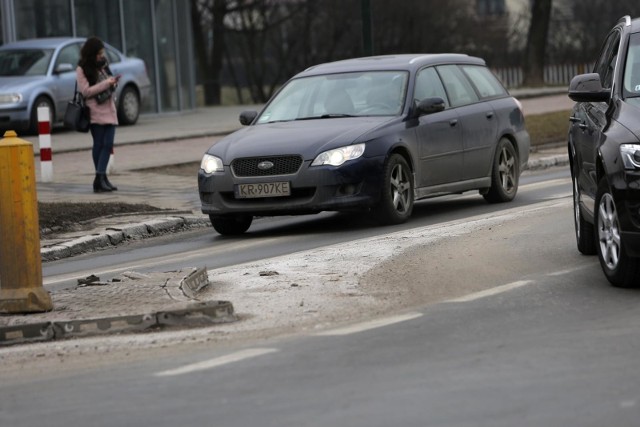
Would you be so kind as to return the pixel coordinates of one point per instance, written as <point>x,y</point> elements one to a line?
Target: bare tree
<point>209,35</point>
<point>537,43</point>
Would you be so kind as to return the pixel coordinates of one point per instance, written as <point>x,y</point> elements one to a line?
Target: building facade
<point>157,31</point>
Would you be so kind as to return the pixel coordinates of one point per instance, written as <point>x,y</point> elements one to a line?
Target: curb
<point>114,236</point>
<point>548,161</point>
<point>195,314</point>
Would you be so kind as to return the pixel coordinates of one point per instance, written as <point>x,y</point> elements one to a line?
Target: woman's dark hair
<point>88,54</point>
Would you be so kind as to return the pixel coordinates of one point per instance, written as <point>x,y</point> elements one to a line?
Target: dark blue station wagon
<point>370,134</point>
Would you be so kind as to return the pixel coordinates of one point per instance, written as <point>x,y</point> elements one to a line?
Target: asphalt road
<point>270,237</point>
<point>551,344</point>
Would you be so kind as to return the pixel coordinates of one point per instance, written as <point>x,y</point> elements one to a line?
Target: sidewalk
<point>139,302</point>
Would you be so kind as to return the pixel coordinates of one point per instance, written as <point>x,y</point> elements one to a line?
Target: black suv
<point>604,150</point>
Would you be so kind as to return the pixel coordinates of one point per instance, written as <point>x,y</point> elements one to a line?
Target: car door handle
<point>453,122</point>
<point>490,115</point>
<point>581,125</point>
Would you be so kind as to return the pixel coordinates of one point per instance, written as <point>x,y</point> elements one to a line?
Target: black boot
<point>99,184</point>
<point>109,184</point>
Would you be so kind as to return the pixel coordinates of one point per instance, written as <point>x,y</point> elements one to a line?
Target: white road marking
<point>373,324</point>
<point>492,291</point>
<point>218,361</point>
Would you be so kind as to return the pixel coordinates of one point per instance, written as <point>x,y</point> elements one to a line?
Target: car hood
<point>18,83</point>
<point>305,137</point>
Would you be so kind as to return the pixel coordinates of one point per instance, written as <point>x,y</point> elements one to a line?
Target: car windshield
<point>632,70</point>
<point>24,62</point>
<point>369,93</point>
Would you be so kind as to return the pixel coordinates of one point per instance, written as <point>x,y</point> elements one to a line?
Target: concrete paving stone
<point>163,225</point>
<point>20,334</point>
<point>115,237</point>
<point>199,314</point>
<point>52,253</point>
<point>134,231</point>
<point>101,326</point>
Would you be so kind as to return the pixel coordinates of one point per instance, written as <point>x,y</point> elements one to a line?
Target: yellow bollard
<point>21,289</point>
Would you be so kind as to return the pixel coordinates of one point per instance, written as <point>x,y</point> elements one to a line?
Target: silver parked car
<point>41,72</point>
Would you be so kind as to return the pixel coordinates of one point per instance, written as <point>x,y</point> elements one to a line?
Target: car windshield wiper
<point>326,116</point>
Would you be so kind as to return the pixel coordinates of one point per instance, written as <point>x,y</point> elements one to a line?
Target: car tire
<point>505,174</point>
<point>231,225</point>
<point>620,269</point>
<point>129,106</point>
<point>585,235</point>
<point>396,202</point>
<point>41,101</point>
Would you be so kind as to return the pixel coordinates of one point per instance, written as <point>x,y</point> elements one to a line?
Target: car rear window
<point>487,85</point>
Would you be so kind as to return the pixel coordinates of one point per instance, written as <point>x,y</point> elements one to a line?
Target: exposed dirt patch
<point>60,217</point>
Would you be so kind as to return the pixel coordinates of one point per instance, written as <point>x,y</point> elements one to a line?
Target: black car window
<point>25,62</point>
<point>605,66</point>
<point>631,77</point>
<point>68,55</point>
<point>458,88</point>
<point>486,84</point>
<point>428,85</point>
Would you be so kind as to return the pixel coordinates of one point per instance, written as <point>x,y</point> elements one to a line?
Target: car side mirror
<point>64,68</point>
<point>430,106</point>
<point>588,88</point>
<point>247,117</point>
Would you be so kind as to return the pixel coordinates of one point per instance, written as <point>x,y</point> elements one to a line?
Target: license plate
<point>267,189</point>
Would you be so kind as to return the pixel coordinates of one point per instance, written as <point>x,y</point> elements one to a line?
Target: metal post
<point>21,289</point>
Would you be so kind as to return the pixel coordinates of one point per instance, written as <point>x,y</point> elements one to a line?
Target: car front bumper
<point>14,117</point>
<point>353,185</point>
<point>626,193</point>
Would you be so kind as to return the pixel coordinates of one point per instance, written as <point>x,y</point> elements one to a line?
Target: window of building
<point>491,7</point>
<point>42,18</point>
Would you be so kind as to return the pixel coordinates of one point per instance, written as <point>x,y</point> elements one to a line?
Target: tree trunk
<point>537,43</point>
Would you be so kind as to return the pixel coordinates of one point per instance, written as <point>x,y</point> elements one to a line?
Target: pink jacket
<point>102,114</point>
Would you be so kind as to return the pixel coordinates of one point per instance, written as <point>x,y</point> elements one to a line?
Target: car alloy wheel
<point>396,204</point>
<point>609,232</point>
<point>129,106</point>
<point>505,174</point>
<point>620,269</point>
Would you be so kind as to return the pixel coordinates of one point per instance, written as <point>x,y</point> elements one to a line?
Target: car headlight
<point>10,98</point>
<point>338,156</point>
<point>630,155</point>
<point>211,164</point>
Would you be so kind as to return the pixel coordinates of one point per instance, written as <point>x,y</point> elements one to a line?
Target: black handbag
<point>77,116</point>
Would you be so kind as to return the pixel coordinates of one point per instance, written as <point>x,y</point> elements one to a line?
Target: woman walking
<point>98,85</point>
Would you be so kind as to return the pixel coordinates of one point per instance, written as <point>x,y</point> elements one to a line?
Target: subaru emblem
<point>265,165</point>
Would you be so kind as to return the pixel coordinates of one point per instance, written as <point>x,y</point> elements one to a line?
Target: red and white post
<point>44,138</point>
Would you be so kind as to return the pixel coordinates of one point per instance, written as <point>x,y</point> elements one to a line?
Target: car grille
<point>284,165</point>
